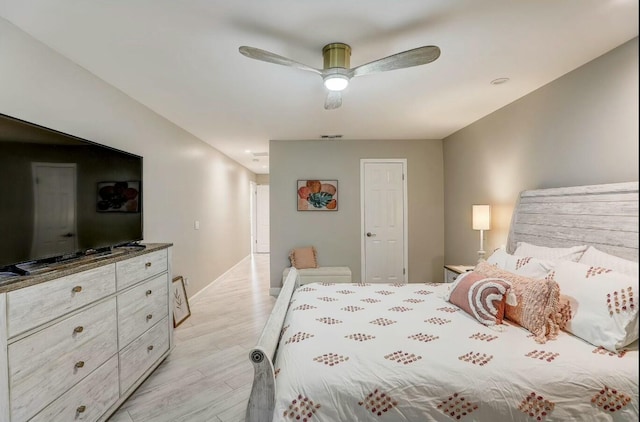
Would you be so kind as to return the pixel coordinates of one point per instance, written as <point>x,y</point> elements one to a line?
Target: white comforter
<point>353,352</point>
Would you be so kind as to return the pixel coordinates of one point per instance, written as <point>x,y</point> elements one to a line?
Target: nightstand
<point>451,272</point>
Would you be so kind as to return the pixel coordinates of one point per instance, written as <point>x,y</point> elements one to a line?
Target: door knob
<point>369,234</point>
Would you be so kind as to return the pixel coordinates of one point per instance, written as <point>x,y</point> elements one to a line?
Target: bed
<point>401,352</point>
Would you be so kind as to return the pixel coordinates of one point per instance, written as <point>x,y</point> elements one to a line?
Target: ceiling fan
<point>336,72</point>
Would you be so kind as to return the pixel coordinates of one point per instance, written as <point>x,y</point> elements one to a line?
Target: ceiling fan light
<point>336,82</point>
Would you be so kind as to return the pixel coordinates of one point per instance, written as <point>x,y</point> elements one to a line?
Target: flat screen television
<point>62,196</point>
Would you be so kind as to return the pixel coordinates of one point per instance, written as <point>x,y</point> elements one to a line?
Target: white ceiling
<point>180,58</point>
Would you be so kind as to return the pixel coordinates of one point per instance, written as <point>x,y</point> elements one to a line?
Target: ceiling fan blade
<point>266,56</point>
<point>409,58</point>
<point>333,100</point>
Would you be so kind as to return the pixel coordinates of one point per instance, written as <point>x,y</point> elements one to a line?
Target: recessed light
<point>248,151</point>
<point>499,81</point>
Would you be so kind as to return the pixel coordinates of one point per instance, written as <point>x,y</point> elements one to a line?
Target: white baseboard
<point>220,277</point>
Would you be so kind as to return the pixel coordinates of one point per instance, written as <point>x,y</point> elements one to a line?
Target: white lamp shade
<point>481,217</point>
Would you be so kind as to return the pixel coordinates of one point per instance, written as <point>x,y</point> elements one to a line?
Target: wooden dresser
<point>77,339</point>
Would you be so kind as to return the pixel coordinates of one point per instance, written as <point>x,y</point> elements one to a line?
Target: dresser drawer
<point>139,268</point>
<point>34,305</point>
<point>47,363</point>
<point>88,400</point>
<point>140,355</point>
<point>141,307</point>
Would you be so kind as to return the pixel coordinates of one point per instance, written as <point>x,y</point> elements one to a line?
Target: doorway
<point>262,219</point>
<point>383,207</point>
<point>252,215</point>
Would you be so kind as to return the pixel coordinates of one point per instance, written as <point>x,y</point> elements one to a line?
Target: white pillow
<point>498,257</point>
<point>597,258</point>
<point>542,252</point>
<point>604,304</point>
<point>522,265</point>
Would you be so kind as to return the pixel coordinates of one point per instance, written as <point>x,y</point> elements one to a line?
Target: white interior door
<point>252,214</point>
<point>262,219</point>
<point>384,215</point>
<point>54,187</point>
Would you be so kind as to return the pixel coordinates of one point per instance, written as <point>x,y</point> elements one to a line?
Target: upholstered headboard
<point>604,216</point>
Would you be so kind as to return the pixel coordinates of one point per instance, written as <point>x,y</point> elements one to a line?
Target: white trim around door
<point>366,232</point>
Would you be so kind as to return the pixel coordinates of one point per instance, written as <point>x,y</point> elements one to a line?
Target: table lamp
<point>481,220</point>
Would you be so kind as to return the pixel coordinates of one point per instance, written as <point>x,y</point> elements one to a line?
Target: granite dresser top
<point>46,272</point>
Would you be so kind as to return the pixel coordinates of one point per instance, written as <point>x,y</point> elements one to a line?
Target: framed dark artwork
<point>181,310</point>
<point>317,195</point>
<point>118,196</point>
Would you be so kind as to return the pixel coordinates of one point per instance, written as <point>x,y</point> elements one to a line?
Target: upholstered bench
<point>327,274</point>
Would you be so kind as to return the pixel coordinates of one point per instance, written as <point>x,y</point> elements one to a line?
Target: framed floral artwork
<point>317,195</point>
<point>118,196</point>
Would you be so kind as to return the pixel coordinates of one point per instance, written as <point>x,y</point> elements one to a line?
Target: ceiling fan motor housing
<point>336,55</point>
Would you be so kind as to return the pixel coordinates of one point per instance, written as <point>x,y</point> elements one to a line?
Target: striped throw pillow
<point>480,296</point>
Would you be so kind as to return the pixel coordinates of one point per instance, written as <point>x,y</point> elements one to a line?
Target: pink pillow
<point>537,302</point>
<point>303,258</point>
<point>480,296</point>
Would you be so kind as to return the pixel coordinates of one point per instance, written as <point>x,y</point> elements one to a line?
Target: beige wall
<point>262,179</point>
<point>184,178</point>
<point>580,129</point>
<point>336,235</point>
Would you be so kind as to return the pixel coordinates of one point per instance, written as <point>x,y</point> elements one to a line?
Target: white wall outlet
<point>186,281</point>
<point>196,225</point>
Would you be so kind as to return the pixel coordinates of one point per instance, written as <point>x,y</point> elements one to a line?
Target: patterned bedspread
<point>356,352</point>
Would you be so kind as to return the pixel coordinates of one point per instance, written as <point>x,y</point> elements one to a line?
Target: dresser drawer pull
<point>147,265</point>
<point>149,292</point>
<point>149,317</point>
<point>76,289</point>
<point>150,348</point>
<point>81,409</point>
<point>78,329</point>
<point>79,364</point>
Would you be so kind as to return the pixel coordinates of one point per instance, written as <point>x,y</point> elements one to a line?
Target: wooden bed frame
<point>603,216</point>
<point>263,391</point>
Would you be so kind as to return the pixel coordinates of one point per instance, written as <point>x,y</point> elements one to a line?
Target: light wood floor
<point>207,377</point>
